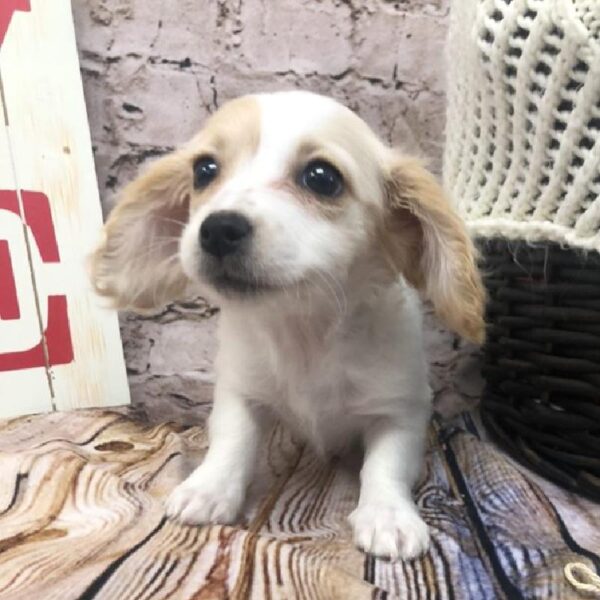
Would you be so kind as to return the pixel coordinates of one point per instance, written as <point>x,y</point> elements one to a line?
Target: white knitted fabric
<point>522,156</point>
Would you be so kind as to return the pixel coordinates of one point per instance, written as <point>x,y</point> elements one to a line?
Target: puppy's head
<point>279,191</point>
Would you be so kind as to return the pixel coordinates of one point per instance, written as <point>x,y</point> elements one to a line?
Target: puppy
<point>315,239</point>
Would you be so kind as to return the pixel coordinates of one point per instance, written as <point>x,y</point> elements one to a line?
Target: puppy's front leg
<point>386,521</point>
<point>215,491</point>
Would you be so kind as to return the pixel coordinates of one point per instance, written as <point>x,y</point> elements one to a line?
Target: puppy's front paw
<point>205,498</point>
<point>390,530</point>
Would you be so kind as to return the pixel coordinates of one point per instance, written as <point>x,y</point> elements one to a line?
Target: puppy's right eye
<point>205,170</point>
<point>322,179</point>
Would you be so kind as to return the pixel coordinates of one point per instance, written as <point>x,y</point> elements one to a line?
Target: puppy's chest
<point>318,401</point>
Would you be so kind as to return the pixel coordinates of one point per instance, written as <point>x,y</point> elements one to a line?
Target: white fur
<point>364,377</point>
<point>336,352</point>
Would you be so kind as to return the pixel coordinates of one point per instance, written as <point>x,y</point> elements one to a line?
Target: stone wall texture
<point>153,70</point>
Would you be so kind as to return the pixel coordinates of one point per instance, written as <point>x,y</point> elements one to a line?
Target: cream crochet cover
<point>522,156</point>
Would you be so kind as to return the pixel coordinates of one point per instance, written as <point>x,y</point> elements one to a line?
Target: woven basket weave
<point>522,155</point>
<point>542,359</point>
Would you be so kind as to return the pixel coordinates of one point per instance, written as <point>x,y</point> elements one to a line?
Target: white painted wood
<point>28,390</point>
<point>51,145</point>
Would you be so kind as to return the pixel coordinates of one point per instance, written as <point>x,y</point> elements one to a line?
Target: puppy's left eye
<point>205,170</point>
<point>322,178</point>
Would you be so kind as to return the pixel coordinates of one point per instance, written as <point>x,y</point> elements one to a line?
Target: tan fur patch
<point>230,135</point>
<point>429,242</point>
<point>136,265</point>
<point>347,143</point>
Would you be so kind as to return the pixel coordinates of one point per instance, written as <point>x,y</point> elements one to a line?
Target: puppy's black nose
<point>224,232</point>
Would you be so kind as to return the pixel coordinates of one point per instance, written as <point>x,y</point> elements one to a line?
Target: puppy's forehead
<point>279,122</point>
<point>237,122</point>
<point>288,117</point>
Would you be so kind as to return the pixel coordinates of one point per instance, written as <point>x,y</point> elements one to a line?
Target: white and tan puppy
<point>314,238</point>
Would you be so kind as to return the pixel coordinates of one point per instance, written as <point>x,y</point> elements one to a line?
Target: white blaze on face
<point>290,239</point>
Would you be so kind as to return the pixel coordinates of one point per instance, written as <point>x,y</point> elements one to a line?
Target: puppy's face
<point>280,191</point>
<point>282,194</point>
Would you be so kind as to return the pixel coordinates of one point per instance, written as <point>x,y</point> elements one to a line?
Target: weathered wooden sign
<point>59,348</point>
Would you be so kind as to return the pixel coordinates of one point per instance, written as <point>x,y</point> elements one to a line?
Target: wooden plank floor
<point>81,517</point>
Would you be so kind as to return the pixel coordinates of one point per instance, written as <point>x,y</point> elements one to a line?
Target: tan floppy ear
<point>136,264</point>
<point>430,246</point>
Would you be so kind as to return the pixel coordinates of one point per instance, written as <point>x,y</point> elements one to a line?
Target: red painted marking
<point>7,8</point>
<point>9,303</point>
<point>9,200</point>
<point>58,332</point>
<point>58,340</point>
<point>38,216</point>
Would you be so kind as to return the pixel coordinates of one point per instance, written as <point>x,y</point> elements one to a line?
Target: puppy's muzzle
<point>224,233</point>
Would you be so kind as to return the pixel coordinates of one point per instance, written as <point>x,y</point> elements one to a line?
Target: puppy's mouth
<point>236,279</point>
<point>241,286</point>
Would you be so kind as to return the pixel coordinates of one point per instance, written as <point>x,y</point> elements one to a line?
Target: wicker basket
<point>542,359</point>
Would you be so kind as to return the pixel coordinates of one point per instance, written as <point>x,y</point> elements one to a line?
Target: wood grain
<point>81,517</point>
